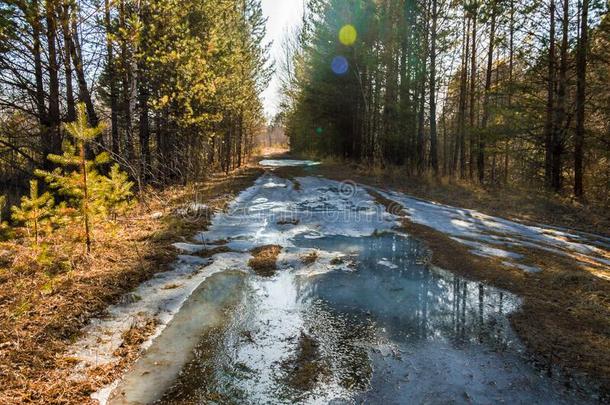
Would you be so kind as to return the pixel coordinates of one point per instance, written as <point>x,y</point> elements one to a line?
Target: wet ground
<point>353,314</point>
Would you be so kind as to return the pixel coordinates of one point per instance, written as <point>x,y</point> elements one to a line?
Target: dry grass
<point>264,260</point>
<point>48,294</point>
<point>211,252</point>
<point>310,258</point>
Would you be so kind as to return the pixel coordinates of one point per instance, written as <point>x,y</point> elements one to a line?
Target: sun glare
<point>348,35</point>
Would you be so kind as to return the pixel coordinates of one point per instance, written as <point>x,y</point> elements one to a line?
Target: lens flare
<point>319,130</point>
<point>339,65</point>
<point>348,35</point>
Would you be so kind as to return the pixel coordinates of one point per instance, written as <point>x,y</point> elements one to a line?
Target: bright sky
<point>282,15</point>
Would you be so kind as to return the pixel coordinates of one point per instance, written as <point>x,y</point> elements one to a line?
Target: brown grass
<point>264,262</point>
<point>310,258</point>
<point>48,294</point>
<point>213,251</point>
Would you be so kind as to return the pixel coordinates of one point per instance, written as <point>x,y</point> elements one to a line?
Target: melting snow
<point>321,207</point>
<point>387,263</point>
<point>159,298</point>
<point>287,163</point>
<point>493,236</point>
<point>317,209</point>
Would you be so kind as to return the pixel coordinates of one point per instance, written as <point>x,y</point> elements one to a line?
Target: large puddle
<point>354,314</point>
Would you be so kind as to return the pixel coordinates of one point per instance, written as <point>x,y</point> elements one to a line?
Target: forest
<point>493,92</point>
<point>175,84</point>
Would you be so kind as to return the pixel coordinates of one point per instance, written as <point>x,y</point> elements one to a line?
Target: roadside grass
<point>309,258</point>
<point>48,293</point>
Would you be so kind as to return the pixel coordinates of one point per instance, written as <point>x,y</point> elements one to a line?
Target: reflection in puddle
<point>388,330</point>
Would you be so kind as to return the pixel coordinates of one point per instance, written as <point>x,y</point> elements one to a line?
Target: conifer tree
<point>115,193</point>
<point>77,176</point>
<point>35,212</point>
<point>4,227</point>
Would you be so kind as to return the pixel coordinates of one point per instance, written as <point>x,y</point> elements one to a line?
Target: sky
<point>281,15</point>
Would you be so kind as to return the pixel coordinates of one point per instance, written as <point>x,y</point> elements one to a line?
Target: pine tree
<point>115,193</point>
<point>77,177</point>
<point>4,227</point>
<point>35,212</point>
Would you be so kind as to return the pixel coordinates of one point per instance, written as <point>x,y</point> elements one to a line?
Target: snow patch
<point>287,162</point>
<point>495,237</point>
<point>385,262</point>
<point>159,298</point>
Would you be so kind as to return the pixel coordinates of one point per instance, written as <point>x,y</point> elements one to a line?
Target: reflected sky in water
<point>389,330</point>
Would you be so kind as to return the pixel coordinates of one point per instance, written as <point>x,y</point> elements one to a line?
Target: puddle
<point>353,314</point>
<point>393,334</point>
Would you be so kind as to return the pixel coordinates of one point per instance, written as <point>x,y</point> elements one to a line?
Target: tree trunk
<point>560,112</point>
<point>581,74</point>
<point>53,144</point>
<point>473,83</point>
<point>126,82</point>
<point>550,102</point>
<point>433,135</point>
<point>421,139</point>
<point>461,145</point>
<point>486,112</point>
<point>511,65</point>
<point>143,97</point>
<point>112,78</point>
<point>83,91</point>
<point>65,26</point>
<point>34,17</point>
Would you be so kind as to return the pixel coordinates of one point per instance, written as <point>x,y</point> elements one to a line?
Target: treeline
<point>175,82</point>
<point>497,91</point>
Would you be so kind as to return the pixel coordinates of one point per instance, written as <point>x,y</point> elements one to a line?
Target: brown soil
<point>48,294</point>
<point>264,262</point>
<point>290,221</point>
<point>211,252</point>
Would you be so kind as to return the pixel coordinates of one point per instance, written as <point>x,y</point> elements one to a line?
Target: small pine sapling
<point>4,227</point>
<point>116,193</point>
<point>78,184</point>
<point>35,212</point>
